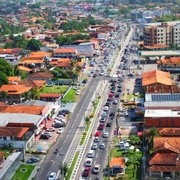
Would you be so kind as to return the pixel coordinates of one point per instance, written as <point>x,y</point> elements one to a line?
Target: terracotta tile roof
<point>22,68</point>
<point>22,109</point>
<point>13,79</point>
<point>41,75</point>
<point>3,104</point>
<point>169,131</point>
<point>6,51</point>
<point>33,83</point>
<point>80,64</point>
<point>32,58</point>
<point>13,131</point>
<point>164,168</point>
<point>166,146</point>
<point>15,89</point>
<point>65,50</point>
<point>118,162</point>
<point>32,62</point>
<point>64,62</point>
<point>40,54</point>
<point>171,141</point>
<point>156,76</point>
<point>50,95</point>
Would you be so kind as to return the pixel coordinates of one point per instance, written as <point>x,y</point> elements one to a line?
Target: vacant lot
<point>70,96</point>
<point>54,89</point>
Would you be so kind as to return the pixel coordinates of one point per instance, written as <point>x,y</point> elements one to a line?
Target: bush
<point>91,115</point>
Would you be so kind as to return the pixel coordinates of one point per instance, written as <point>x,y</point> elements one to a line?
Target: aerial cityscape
<point>90,90</point>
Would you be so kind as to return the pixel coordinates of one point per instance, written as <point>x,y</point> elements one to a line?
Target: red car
<point>97,134</point>
<point>86,172</point>
<point>101,126</point>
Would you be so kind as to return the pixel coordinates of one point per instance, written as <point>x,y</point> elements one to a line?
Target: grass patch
<point>6,151</point>
<point>85,133</point>
<point>23,175</point>
<point>54,89</point>
<point>131,96</point>
<point>70,96</point>
<point>72,165</point>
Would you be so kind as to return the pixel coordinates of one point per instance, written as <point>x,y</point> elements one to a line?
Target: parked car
<point>51,129</point>
<point>66,111</point>
<point>96,139</point>
<point>33,160</point>
<point>60,130</point>
<point>115,102</point>
<point>42,136</point>
<point>86,172</point>
<point>78,92</point>
<point>47,133</point>
<point>101,126</point>
<point>88,163</point>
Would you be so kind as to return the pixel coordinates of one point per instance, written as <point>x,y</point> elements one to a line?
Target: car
<point>112,114</point>
<point>122,109</point>
<point>94,146</point>
<point>101,126</point>
<point>76,87</point>
<point>136,93</point>
<point>88,163</point>
<point>94,75</point>
<point>102,120</point>
<point>97,134</point>
<point>105,134</point>
<point>84,81</point>
<point>104,114</point>
<point>51,129</point>
<point>117,95</point>
<point>47,133</point>
<point>102,146</point>
<point>66,111</point>
<point>107,104</point>
<point>96,139</point>
<point>58,125</point>
<point>91,154</point>
<point>33,160</point>
<point>101,74</point>
<point>78,92</point>
<point>96,169</point>
<point>60,130</point>
<point>42,136</point>
<point>52,176</point>
<point>86,171</point>
<point>130,75</point>
<point>108,124</point>
<point>119,90</point>
<point>113,91</point>
<point>97,178</point>
<point>115,102</point>
<point>106,108</point>
<point>60,116</point>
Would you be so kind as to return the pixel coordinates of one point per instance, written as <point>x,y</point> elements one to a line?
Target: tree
<point>134,139</point>
<point>34,45</point>
<point>35,93</point>
<point>150,134</point>
<point>64,169</point>
<point>6,68</point>
<point>3,95</point>
<point>87,119</point>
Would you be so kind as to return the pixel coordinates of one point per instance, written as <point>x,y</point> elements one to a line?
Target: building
<point>65,53</point>
<point>40,76</point>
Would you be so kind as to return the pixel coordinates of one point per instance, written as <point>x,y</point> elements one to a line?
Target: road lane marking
<point>96,155</point>
<point>53,163</point>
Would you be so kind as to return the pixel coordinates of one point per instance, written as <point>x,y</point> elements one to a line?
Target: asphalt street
<point>66,141</point>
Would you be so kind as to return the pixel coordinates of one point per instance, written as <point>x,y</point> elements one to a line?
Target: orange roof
<point>22,109</point>
<point>15,89</point>
<point>13,131</point>
<point>13,79</point>
<point>22,68</point>
<point>65,50</point>
<point>64,62</point>
<point>32,62</point>
<point>40,54</point>
<point>117,162</point>
<point>6,51</point>
<point>156,76</point>
<point>32,83</point>
<point>79,64</point>
<point>32,58</point>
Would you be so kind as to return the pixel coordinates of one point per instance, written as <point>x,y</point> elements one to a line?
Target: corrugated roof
<point>65,50</point>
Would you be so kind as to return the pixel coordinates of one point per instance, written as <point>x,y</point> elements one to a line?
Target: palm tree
<point>134,139</point>
<point>3,95</point>
<point>35,93</point>
<point>87,119</point>
<point>153,132</point>
<point>64,169</point>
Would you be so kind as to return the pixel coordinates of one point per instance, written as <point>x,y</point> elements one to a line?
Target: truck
<point>114,77</point>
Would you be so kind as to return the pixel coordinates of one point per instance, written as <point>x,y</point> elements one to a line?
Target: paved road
<point>66,142</point>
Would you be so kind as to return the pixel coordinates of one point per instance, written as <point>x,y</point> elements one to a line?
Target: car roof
<point>87,168</point>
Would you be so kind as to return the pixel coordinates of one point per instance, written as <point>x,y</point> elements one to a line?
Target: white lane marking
<point>96,155</point>
<point>57,174</point>
<point>53,163</point>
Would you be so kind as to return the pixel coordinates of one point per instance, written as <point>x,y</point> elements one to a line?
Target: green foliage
<point>34,45</point>
<point>62,40</point>
<point>6,68</point>
<point>167,18</point>
<point>134,139</point>
<point>37,5</point>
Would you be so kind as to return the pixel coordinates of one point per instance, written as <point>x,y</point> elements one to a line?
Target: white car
<point>122,109</point>
<point>104,114</point>
<point>91,154</point>
<point>76,87</point>
<point>52,176</point>
<point>115,102</point>
<point>88,163</point>
<point>102,146</point>
<point>48,134</point>
<point>60,130</point>
<point>106,108</point>
<point>78,92</point>
<point>60,116</point>
<point>51,129</point>
<point>105,134</point>
<point>96,139</point>
<point>96,169</point>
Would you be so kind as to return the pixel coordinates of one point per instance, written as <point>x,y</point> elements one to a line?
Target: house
<point>33,83</point>
<point>14,93</point>
<point>52,46</point>
<point>65,53</point>
<point>117,165</point>
<point>25,69</point>
<point>64,63</point>
<point>40,76</point>
<point>14,79</point>
<point>32,62</point>
<point>165,160</point>
<point>162,118</point>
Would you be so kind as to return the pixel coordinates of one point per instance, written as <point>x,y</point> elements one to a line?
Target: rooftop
<point>117,162</point>
<point>161,113</point>
<point>65,50</point>
<point>159,53</point>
